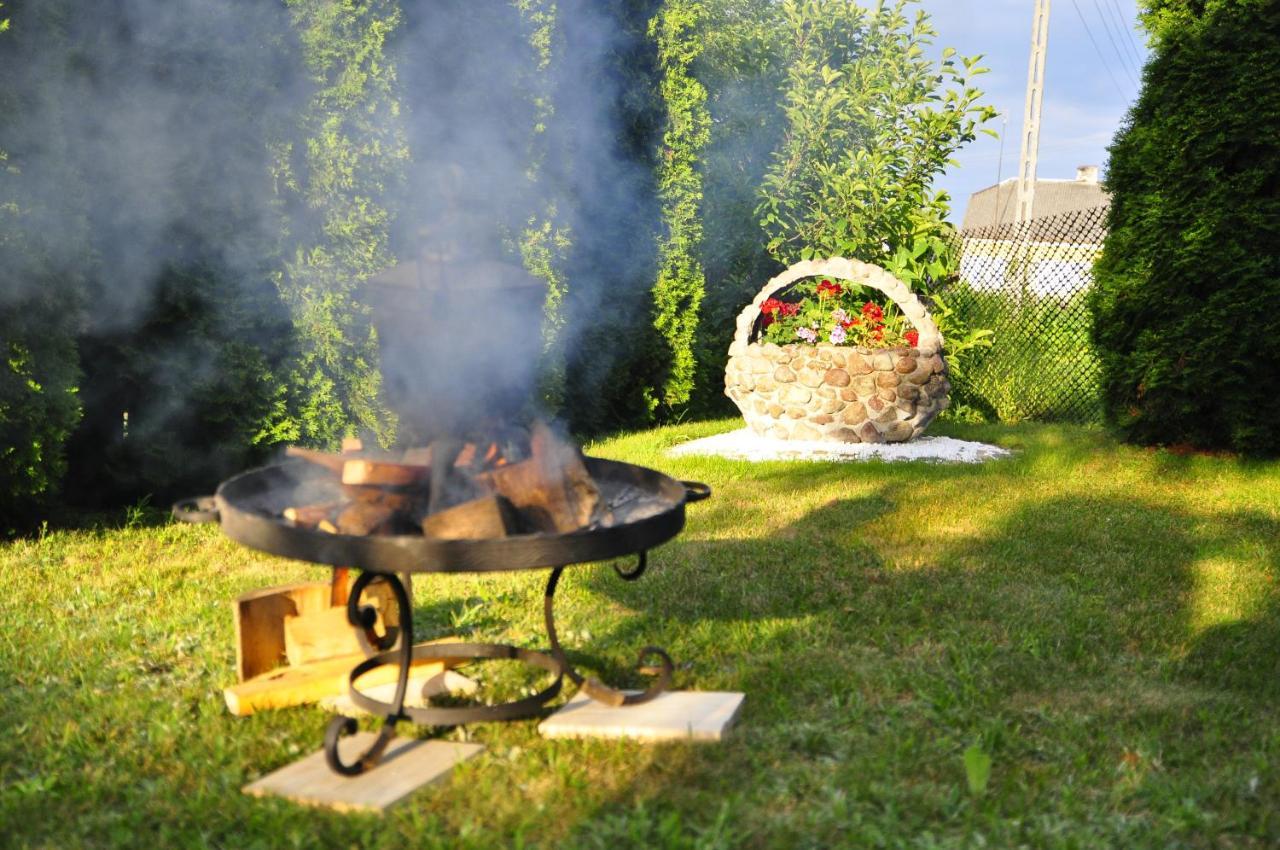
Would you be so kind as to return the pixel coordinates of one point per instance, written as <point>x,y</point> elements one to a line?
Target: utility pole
<point>1004,132</point>
<point>1031,113</point>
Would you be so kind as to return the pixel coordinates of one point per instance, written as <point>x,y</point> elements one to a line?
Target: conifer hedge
<point>1187,294</point>
<point>678,292</point>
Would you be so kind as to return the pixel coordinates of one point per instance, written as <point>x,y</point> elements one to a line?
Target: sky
<point>1088,89</point>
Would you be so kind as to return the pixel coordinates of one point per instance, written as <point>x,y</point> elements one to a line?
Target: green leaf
<point>977,769</point>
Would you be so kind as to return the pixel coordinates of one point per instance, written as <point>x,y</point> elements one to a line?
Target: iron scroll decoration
<point>398,648</point>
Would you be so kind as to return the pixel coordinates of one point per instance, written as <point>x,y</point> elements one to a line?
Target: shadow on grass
<point>1082,606</point>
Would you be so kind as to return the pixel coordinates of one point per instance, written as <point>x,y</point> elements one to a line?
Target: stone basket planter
<point>838,393</point>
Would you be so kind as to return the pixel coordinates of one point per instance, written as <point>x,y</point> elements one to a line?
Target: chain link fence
<point>1027,283</point>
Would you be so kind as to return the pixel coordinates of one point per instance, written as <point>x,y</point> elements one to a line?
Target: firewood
<point>352,444</point>
<point>466,457</point>
<point>309,516</point>
<point>361,518</point>
<point>383,473</point>
<point>290,686</point>
<point>395,499</point>
<point>327,527</point>
<point>553,488</point>
<point>420,456</point>
<point>478,519</point>
<point>316,635</point>
<point>328,461</point>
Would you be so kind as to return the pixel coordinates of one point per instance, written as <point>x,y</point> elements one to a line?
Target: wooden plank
<point>259,623</point>
<point>671,716</point>
<point>406,766</point>
<point>320,635</point>
<point>286,687</point>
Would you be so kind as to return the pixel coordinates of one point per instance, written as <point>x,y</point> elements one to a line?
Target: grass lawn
<point>1101,622</point>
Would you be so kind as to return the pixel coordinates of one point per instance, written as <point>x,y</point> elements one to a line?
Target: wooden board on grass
<point>407,765</point>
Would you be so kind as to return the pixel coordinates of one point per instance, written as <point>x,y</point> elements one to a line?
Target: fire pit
<point>639,509</point>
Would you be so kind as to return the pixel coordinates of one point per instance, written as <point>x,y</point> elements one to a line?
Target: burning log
<point>478,519</point>
<point>328,461</point>
<point>310,516</point>
<point>397,499</point>
<point>382,473</point>
<point>363,518</point>
<point>509,480</point>
<point>552,488</point>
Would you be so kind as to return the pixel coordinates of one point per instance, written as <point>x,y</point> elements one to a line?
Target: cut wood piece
<point>384,473</point>
<point>309,516</point>
<point>291,686</point>
<point>553,488</point>
<point>327,527</point>
<point>466,457</point>
<point>407,764</point>
<point>352,444</point>
<point>317,635</point>
<point>259,622</point>
<point>478,519</point>
<point>361,518</point>
<point>260,617</point>
<point>395,499</point>
<point>325,459</point>
<point>420,456</point>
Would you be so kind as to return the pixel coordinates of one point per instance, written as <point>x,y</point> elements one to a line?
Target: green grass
<point>1101,622</point>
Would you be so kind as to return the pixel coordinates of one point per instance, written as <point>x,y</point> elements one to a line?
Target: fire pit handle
<point>695,491</point>
<point>195,509</point>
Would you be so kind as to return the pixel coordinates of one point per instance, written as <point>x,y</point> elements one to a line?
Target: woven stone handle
<point>851,270</point>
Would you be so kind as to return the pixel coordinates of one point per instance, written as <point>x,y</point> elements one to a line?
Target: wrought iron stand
<point>397,648</point>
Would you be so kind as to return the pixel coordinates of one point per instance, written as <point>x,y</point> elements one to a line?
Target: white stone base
<point>745,444</point>
<point>406,766</point>
<point>673,716</point>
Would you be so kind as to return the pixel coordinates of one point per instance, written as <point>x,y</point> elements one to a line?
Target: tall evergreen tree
<point>335,177</point>
<point>681,281</point>
<point>39,282</point>
<point>1188,285</point>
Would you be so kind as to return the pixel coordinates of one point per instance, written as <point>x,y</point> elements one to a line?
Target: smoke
<point>507,139</point>
<point>140,143</point>
<point>143,125</point>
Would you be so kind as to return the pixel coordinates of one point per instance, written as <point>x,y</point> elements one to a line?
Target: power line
<point>1127,26</point>
<point>1105,64</point>
<point>1124,61</point>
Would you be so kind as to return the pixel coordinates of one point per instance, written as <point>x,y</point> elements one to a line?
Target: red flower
<point>912,337</point>
<point>872,311</point>
<point>827,288</point>
<point>848,323</point>
<point>770,305</point>
<point>766,320</point>
<point>789,309</point>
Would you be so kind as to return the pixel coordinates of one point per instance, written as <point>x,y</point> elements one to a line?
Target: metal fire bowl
<point>250,507</point>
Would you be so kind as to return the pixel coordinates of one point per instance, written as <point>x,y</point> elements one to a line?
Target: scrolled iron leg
<point>662,670</point>
<point>362,618</point>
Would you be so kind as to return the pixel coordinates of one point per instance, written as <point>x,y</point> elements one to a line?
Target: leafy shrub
<point>871,121</point>
<point>1188,288</point>
<point>38,405</point>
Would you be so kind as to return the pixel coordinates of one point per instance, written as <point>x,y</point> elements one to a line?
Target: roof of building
<point>994,206</point>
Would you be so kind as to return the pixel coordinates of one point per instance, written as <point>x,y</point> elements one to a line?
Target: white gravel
<point>745,444</point>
